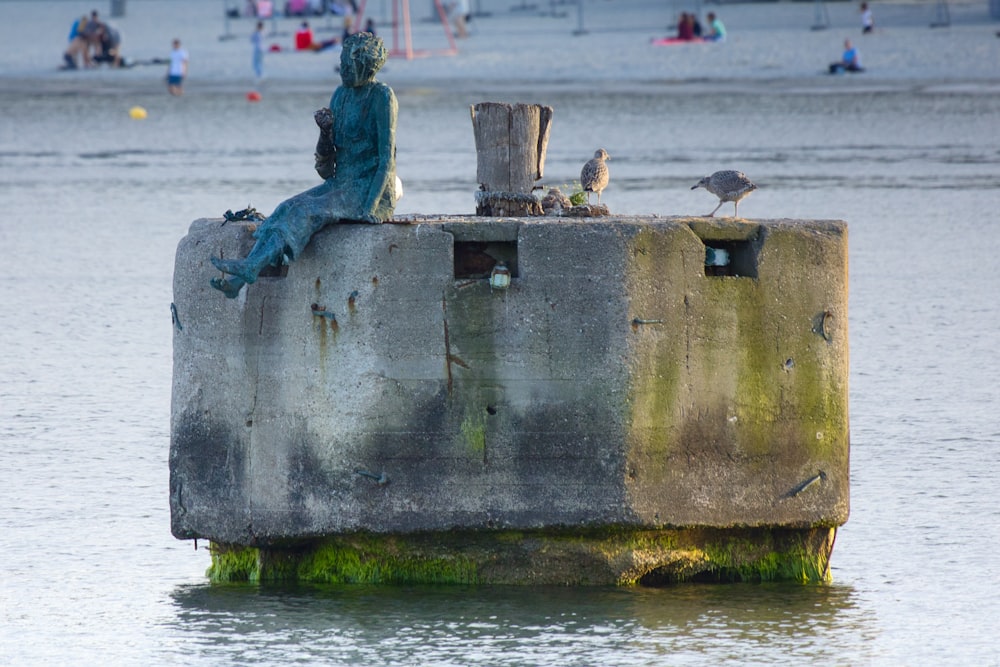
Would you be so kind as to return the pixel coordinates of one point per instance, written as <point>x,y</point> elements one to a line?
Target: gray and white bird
<point>727,185</point>
<point>594,176</point>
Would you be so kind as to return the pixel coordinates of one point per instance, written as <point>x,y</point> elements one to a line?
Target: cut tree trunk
<point>511,141</point>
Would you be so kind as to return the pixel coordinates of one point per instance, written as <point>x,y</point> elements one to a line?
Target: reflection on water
<point>514,626</point>
<point>94,206</point>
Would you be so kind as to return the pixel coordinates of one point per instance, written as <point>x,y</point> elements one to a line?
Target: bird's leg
<point>712,214</point>
<point>736,208</point>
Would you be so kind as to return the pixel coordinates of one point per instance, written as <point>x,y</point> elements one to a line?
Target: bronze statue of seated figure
<point>356,157</point>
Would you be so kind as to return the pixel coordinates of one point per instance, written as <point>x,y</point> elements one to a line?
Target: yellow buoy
<point>138,113</point>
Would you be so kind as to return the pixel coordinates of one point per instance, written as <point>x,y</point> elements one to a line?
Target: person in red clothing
<point>304,37</point>
<point>685,27</point>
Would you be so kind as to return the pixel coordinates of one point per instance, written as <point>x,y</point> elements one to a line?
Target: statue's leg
<point>231,287</point>
<point>266,251</point>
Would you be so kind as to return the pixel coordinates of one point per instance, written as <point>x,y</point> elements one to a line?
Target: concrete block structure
<point>626,411</point>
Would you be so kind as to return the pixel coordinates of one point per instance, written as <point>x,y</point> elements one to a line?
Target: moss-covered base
<point>599,557</point>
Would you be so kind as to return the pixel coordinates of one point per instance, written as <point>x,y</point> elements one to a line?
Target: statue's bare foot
<point>234,267</point>
<point>231,288</point>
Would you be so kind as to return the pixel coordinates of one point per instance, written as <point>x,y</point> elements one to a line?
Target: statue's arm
<point>385,143</point>
<point>326,153</point>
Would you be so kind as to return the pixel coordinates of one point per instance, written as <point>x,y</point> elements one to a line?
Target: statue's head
<point>362,57</point>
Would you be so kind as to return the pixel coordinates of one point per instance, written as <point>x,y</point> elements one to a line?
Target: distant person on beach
<point>370,26</point>
<point>867,22</point>
<point>257,40</point>
<point>76,42</point>
<point>326,44</point>
<point>459,12</point>
<point>849,62</point>
<point>304,37</point>
<point>688,30</point>
<point>716,31</point>
<point>177,69</point>
<point>87,39</point>
<point>685,27</point>
<point>356,158</point>
<point>108,49</point>
<point>77,28</point>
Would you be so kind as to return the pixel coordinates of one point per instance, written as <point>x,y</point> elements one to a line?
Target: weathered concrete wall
<point>613,384</point>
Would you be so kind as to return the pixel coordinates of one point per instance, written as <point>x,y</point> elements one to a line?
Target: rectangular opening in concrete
<point>476,259</point>
<point>730,258</point>
<point>274,271</point>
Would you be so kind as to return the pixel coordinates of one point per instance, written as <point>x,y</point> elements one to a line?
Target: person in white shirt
<point>867,22</point>
<point>177,69</point>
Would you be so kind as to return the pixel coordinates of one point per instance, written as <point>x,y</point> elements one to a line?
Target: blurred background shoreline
<point>772,44</point>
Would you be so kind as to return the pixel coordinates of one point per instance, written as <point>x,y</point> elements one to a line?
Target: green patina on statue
<point>355,154</point>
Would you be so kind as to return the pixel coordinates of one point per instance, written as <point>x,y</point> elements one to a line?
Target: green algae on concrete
<point>734,398</point>
<point>474,433</point>
<point>605,556</point>
<point>233,563</point>
<point>370,559</point>
<point>349,559</point>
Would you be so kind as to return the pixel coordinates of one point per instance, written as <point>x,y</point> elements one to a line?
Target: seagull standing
<point>594,176</point>
<point>727,185</point>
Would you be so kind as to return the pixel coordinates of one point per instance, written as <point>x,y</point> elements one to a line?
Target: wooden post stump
<point>511,141</point>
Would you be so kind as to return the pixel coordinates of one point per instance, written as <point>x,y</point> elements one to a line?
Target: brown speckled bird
<point>555,202</point>
<point>594,176</point>
<point>727,185</point>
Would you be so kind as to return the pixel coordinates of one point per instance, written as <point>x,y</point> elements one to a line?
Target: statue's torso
<point>355,128</point>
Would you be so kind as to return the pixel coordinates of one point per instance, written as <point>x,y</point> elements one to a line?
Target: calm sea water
<point>94,205</point>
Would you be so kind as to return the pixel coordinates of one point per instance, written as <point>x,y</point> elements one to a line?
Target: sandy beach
<point>510,48</point>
